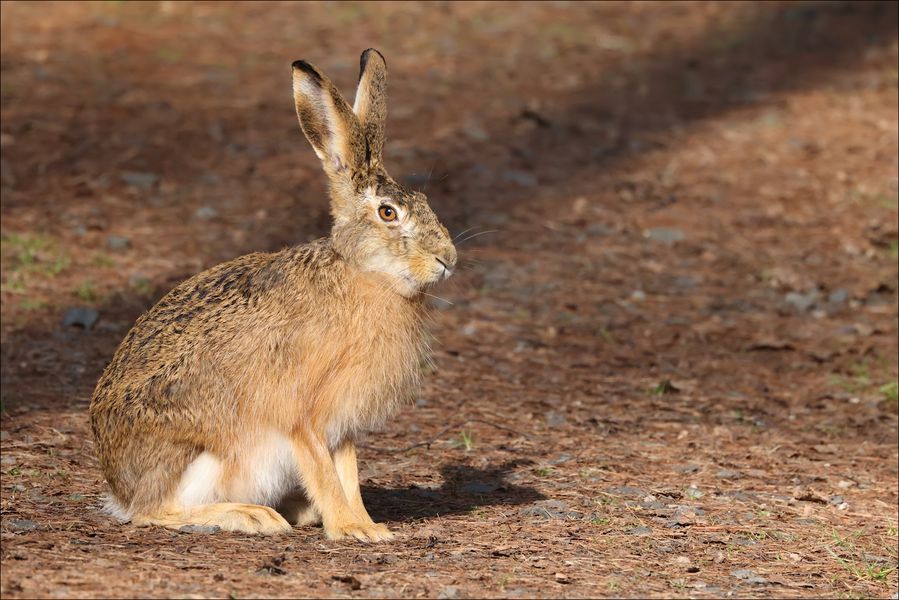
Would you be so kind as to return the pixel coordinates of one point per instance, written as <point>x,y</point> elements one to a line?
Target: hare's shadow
<point>464,488</point>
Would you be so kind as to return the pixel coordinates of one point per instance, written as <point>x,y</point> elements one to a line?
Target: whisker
<point>458,235</point>
<point>428,180</point>
<point>474,235</point>
<point>437,297</point>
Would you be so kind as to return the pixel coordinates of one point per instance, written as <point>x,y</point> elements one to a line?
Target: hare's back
<point>204,319</point>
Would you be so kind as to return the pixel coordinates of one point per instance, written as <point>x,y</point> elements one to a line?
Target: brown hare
<point>244,389</point>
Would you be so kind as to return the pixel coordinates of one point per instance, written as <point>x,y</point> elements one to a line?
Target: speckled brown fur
<point>313,344</point>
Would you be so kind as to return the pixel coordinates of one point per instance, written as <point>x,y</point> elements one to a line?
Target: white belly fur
<point>263,474</point>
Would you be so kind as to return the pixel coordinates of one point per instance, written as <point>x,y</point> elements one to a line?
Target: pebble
<point>665,235</point>
<point>802,302</point>
<point>630,492</point>
<point>522,178</point>
<point>728,474</point>
<point>209,529</point>
<point>80,316</point>
<point>687,469</point>
<point>479,487</point>
<point>118,243</point>
<point>748,576</point>
<point>554,419</point>
<point>548,509</point>
<point>138,281</point>
<point>205,213</point>
<point>639,531</point>
<point>449,591</point>
<point>139,180</point>
<point>599,230</point>
<point>21,525</point>
<point>838,296</point>
<point>4,435</point>
<point>475,132</point>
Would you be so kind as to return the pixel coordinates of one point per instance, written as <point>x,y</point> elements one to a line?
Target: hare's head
<point>378,224</point>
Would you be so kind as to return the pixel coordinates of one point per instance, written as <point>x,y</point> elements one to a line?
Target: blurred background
<point>683,253</point>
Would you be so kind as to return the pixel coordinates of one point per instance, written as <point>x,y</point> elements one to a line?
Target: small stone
<point>80,316</point>
<point>802,302</point>
<point>836,500</point>
<point>205,213</point>
<point>4,435</point>
<point>449,591</point>
<point>208,529</point>
<point>547,509</point>
<point>8,460</point>
<point>665,235</point>
<point>139,281</point>
<point>683,516</point>
<point>522,178</point>
<point>599,230</point>
<point>21,525</point>
<point>139,180</point>
<point>693,492</point>
<point>748,576</point>
<point>728,474</point>
<point>117,243</point>
<point>479,487</point>
<point>475,132</point>
<point>638,295</point>
<point>687,469</point>
<point>837,297</point>
<point>627,491</point>
<point>639,531</point>
<point>562,458</point>
<point>421,402</point>
<point>554,419</point>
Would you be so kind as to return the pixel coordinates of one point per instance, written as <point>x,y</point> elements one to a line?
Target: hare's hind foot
<point>246,518</point>
<point>297,509</point>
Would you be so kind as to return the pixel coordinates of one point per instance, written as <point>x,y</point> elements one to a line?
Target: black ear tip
<point>365,56</point>
<point>302,65</point>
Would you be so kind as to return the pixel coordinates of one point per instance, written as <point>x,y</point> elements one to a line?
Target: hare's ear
<point>328,121</point>
<point>371,100</point>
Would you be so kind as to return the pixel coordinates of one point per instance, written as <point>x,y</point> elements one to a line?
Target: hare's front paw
<point>366,532</point>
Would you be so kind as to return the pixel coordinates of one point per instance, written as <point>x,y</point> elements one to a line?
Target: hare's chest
<point>374,370</point>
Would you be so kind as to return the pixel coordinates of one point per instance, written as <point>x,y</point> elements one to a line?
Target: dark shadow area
<point>764,51</point>
<point>464,489</point>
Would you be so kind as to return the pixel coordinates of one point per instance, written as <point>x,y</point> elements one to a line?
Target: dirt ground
<point>668,367</point>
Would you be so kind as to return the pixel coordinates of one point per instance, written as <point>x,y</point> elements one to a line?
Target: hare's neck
<point>381,288</point>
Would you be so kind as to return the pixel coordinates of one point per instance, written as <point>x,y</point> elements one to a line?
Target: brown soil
<point>668,370</point>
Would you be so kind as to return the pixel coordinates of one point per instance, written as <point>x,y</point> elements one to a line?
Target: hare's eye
<point>387,213</point>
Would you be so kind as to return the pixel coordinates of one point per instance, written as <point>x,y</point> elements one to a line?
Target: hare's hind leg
<point>200,500</point>
<point>228,516</point>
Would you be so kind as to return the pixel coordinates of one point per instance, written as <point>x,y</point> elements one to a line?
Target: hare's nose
<point>447,265</point>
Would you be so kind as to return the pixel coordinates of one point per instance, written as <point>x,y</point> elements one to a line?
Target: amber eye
<point>387,213</point>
